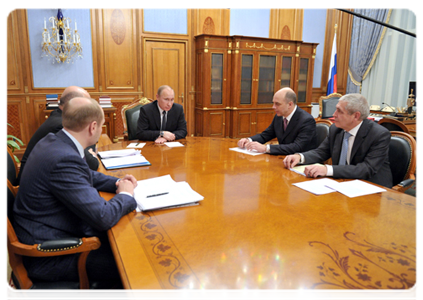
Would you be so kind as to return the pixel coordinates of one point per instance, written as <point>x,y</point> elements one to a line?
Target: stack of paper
<point>300,168</point>
<point>164,192</point>
<point>245,151</point>
<point>353,188</point>
<point>126,158</point>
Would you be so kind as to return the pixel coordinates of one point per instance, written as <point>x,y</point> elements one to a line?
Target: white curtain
<point>395,65</point>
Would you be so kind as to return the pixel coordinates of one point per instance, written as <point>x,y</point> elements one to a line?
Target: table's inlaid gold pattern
<point>256,230</point>
<point>366,265</point>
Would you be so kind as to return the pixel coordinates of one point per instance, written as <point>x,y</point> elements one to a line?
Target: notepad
<point>118,159</point>
<point>118,153</point>
<point>135,145</point>
<point>167,194</point>
<point>125,162</point>
<point>245,151</point>
<point>353,188</point>
<point>300,169</point>
<point>174,144</point>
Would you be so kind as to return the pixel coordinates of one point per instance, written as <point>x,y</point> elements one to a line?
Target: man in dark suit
<point>358,147</point>
<point>58,197</point>
<point>54,124</point>
<point>299,133</point>
<point>162,120</point>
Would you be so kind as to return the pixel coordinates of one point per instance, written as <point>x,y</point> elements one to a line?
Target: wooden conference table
<point>255,230</point>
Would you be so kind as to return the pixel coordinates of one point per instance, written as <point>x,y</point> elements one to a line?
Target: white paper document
<point>300,169</point>
<point>135,145</point>
<point>125,162</point>
<point>317,186</point>
<point>174,144</point>
<point>353,188</point>
<point>164,192</point>
<point>118,153</point>
<point>245,151</point>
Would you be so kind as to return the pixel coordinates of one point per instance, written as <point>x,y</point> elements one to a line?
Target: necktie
<point>344,149</point>
<point>285,123</point>
<point>164,121</point>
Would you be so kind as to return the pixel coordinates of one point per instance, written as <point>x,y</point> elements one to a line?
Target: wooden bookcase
<point>237,76</point>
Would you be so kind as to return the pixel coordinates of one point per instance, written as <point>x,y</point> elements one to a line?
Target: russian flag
<point>332,81</point>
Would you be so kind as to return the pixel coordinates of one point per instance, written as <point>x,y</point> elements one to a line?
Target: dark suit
<point>300,135</point>
<point>369,158</point>
<point>58,197</point>
<point>149,121</point>
<point>52,124</point>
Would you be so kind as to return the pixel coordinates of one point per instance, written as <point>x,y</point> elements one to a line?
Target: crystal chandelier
<point>63,44</point>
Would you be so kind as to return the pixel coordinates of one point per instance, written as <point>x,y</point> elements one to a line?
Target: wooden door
<point>165,63</point>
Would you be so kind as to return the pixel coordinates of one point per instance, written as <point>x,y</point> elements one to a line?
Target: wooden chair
<point>393,125</point>
<point>104,140</point>
<point>322,130</point>
<point>66,246</point>
<point>327,105</point>
<point>402,159</point>
<point>12,169</point>
<point>130,114</point>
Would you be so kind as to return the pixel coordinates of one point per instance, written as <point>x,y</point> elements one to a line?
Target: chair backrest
<point>327,105</point>
<point>12,167</point>
<point>393,125</point>
<point>322,131</point>
<point>130,115</point>
<point>402,156</point>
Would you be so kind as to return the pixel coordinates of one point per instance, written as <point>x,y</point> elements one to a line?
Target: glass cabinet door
<point>246,78</point>
<point>266,83</point>
<point>302,80</point>
<point>286,71</point>
<point>216,78</point>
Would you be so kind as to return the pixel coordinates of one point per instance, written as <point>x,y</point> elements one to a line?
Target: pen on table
<point>137,144</point>
<point>155,195</point>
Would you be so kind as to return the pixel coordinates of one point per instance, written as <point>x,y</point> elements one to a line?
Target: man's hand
<point>291,161</point>
<point>315,171</point>
<point>125,185</point>
<point>242,142</point>
<point>132,179</point>
<point>255,146</point>
<point>169,136</point>
<point>160,140</point>
<point>92,152</point>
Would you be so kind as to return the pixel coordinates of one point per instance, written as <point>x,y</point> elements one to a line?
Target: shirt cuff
<point>329,171</point>
<point>126,193</point>
<point>301,158</point>
<point>267,148</point>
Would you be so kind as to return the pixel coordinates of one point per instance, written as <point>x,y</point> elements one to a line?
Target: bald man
<point>54,124</point>
<point>294,128</point>
<point>59,197</point>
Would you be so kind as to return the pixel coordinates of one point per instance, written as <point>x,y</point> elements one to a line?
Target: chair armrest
<point>406,183</point>
<point>57,247</point>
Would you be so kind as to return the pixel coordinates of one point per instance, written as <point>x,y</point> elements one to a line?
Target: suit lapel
<point>294,120</point>
<point>361,134</point>
<point>156,115</point>
<point>337,146</point>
